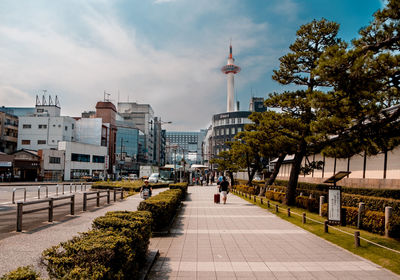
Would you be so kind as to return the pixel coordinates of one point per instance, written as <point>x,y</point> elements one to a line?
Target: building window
<point>222,131</point>
<point>54,160</point>
<point>80,157</point>
<point>42,126</point>
<point>40,110</point>
<point>26,126</point>
<point>239,120</point>
<point>66,128</point>
<point>26,142</point>
<point>233,130</point>
<point>98,159</point>
<point>227,131</point>
<point>239,129</point>
<point>233,120</point>
<point>41,142</point>
<point>73,126</point>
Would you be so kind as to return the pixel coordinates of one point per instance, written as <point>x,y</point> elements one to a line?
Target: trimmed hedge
<point>114,249</point>
<point>275,196</point>
<point>22,273</point>
<point>127,185</point>
<point>372,221</point>
<point>246,189</point>
<point>162,207</point>
<point>371,203</point>
<point>96,254</point>
<point>136,225</point>
<point>311,204</point>
<point>182,186</point>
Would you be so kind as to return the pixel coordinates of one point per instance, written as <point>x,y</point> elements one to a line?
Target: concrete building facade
<point>8,133</point>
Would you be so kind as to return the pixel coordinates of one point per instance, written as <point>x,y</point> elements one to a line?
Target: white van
<point>133,177</point>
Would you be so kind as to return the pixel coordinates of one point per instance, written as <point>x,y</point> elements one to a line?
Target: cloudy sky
<point>167,53</point>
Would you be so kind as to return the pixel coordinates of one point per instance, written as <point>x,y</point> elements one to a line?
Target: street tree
<point>362,111</point>
<point>226,163</point>
<point>296,107</point>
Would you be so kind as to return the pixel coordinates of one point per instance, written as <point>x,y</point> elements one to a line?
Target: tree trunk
<point>294,176</point>
<point>273,176</point>
<point>248,170</point>
<point>231,177</point>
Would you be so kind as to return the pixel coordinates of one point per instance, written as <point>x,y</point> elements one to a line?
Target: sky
<point>166,53</point>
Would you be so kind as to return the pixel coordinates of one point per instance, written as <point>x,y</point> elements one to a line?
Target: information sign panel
<point>334,204</point>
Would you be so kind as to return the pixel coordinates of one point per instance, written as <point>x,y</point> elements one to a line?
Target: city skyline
<point>144,52</point>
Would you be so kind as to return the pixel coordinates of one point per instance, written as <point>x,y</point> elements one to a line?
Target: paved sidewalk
<point>26,248</point>
<point>242,241</point>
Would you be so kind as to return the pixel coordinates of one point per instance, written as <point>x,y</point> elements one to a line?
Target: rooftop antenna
<point>118,96</point>
<point>44,97</point>
<point>50,100</point>
<point>106,99</point>
<point>57,102</point>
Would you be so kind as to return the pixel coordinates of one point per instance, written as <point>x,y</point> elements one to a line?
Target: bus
<point>166,174</point>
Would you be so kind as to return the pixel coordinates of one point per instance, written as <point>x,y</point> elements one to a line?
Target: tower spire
<point>230,69</point>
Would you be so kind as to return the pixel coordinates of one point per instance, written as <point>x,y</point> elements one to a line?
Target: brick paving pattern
<point>242,241</point>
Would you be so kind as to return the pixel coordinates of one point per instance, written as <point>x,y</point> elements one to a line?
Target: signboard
<point>334,204</point>
<point>5,163</point>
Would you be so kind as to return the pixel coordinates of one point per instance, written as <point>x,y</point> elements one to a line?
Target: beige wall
<point>374,171</point>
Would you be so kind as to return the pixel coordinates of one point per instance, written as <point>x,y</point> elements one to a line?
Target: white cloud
<point>183,85</point>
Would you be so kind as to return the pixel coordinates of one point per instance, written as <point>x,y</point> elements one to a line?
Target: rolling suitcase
<point>216,198</point>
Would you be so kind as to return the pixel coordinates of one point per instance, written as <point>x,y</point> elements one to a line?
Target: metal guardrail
<point>97,197</point>
<point>50,208</point>
<point>13,194</point>
<point>47,191</point>
<point>100,194</point>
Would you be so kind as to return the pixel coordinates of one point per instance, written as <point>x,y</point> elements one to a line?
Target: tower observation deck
<point>230,69</point>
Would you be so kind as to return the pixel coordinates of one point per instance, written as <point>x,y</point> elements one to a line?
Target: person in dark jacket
<point>224,187</point>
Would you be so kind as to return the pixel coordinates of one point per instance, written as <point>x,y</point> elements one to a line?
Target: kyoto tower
<point>230,69</point>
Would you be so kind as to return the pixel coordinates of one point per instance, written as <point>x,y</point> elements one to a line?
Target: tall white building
<point>45,128</point>
<point>230,69</point>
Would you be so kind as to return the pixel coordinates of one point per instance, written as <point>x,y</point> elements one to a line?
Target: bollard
<point>343,217</point>
<point>70,188</point>
<point>19,216</point>
<point>122,193</point>
<point>115,195</point>
<point>84,201</point>
<point>51,204</point>
<point>57,189</point>
<point>108,196</point>
<point>75,187</point>
<point>304,218</point>
<point>81,186</point>
<point>361,208</point>
<point>98,199</point>
<point>388,215</point>
<point>326,226</point>
<point>321,201</point>
<point>288,212</point>
<point>268,204</point>
<point>276,208</point>
<point>261,201</point>
<point>72,209</point>
<point>357,239</point>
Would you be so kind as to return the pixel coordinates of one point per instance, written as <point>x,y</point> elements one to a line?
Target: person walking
<point>224,188</point>
<point>146,186</point>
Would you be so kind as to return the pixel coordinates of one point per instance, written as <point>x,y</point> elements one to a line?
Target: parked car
<point>154,177</point>
<point>133,177</point>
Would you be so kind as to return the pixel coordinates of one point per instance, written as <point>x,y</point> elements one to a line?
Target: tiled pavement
<point>242,241</point>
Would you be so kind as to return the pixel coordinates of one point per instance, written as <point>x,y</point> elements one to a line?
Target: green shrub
<point>275,196</point>
<point>181,186</point>
<point>162,207</point>
<point>97,254</point>
<point>371,203</point>
<point>22,273</point>
<point>246,189</point>
<point>135,225</point>
<point>311,204</point>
